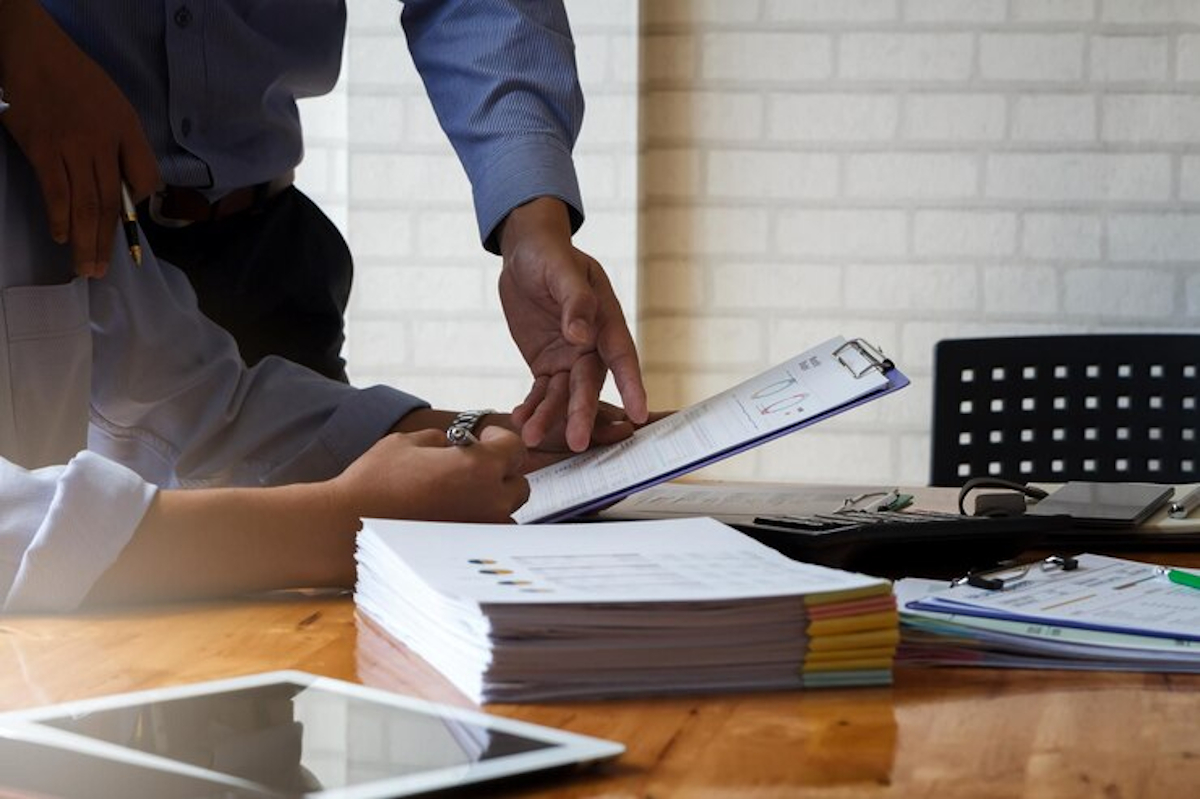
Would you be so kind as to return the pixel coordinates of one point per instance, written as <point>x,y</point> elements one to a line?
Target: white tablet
<point>284,733</point>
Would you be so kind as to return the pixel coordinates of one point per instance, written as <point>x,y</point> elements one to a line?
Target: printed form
<point>1103,593</point>
<point>823,379</point>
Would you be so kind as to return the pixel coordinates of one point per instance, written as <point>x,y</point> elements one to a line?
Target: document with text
<point>821,382</point>
<point>1101,593</point>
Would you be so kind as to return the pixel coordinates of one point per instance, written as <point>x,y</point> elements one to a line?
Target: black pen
<point>129,222</point>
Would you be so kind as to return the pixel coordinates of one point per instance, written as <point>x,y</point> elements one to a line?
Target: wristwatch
<point>461,431</point>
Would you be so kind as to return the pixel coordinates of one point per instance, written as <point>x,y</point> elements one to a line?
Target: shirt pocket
<point>45,372</point>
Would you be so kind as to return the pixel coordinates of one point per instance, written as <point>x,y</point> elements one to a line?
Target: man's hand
<point>76,128</point>
<point>566,321</point>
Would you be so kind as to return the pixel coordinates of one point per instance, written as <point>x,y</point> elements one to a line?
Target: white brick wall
<point>902,170</point>
<point>909,170</point>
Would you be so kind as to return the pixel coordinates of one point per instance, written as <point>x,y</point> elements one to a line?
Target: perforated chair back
<point>1104,408</point>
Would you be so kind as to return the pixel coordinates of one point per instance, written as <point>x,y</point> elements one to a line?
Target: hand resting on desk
<point>212,542</point>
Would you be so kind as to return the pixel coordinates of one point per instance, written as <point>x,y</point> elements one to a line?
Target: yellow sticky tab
<point>884,620</point>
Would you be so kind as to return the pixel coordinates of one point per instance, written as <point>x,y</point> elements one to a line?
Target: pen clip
<point>877,500</point>
<point>1185,506</point>
<point>129,222</point>
<point>1004,575</point>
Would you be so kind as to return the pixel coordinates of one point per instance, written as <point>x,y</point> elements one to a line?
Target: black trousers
<point>278,279</point>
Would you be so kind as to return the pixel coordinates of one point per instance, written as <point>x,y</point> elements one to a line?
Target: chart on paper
<point>620,573</point>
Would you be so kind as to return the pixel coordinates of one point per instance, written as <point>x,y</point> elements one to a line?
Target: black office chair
<point>1104,408</point>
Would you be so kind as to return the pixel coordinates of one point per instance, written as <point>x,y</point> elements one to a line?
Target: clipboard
<point>820,383</point>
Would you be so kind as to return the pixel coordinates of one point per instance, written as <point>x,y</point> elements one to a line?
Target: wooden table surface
<point>937,732</point>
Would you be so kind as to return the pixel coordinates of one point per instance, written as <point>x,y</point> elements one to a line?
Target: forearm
<point>220,542</point>
<point>502,78</point>
<point>15,16</point>
<point>222,424</point>
<point>544,217</point>
<point>436,419</point>
<point>24,24</point>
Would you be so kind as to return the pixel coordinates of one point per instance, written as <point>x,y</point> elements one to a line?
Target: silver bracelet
<point>461,432</point>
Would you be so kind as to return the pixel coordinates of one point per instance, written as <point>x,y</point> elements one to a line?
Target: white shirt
<point>128,368</point>
<point>62,526</point>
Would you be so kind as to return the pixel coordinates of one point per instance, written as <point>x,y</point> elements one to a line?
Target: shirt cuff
<point>529,168</point>
<point>354,428</point>
<point>97,506</point>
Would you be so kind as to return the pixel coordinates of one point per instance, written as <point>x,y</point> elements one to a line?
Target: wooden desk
<point>936,733</point>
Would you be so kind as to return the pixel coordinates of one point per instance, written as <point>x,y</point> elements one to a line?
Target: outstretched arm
<point>502,79</point>
<point>567,322</point>
<point>218,542</point>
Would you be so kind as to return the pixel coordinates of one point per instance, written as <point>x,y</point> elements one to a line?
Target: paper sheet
<point>672,560</point>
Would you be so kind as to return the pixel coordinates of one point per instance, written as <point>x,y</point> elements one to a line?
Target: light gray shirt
<point>129,368</point>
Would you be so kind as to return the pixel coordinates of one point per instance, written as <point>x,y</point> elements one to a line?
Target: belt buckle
<point>157,216</point>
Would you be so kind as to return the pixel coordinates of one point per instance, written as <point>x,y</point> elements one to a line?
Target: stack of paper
<point>536,612</point>
<point>1107,615</point>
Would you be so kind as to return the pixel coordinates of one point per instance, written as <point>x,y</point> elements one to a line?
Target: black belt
<point>181,204</point>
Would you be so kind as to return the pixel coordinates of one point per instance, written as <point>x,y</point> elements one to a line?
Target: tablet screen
<point>284,734</point>
<point>32,770</point>
<point>292,738</point>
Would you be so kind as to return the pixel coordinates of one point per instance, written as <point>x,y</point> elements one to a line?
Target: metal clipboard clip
<point>862,350</point>
<point>1006,574</point>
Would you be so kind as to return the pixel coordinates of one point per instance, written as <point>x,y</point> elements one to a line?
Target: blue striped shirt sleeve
<point>502,78</point>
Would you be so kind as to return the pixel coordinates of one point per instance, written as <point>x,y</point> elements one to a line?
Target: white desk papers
<point>516,613</point>
<point>938,638</point>
<point>1108,614</point>
<point>1103,593</point>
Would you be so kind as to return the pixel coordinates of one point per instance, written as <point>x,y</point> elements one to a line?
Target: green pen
<point>1180,577</point>
<point>899,502</point>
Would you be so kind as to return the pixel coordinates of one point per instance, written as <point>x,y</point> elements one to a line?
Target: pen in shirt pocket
<point>129,222</point>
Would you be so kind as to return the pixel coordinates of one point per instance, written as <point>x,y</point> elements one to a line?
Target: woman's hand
<point>419,476</point>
